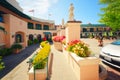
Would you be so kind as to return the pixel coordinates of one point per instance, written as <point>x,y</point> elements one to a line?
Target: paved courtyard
<point>61,69</point>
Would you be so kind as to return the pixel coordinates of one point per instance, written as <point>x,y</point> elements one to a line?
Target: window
<point>1,18</point>
<point>84,30</point>
<point>38,27</point>
<point>30,25</point>
<point>18,38</point>
<point>46,27</point>
<point>91,29</point>
<point>31,37</point>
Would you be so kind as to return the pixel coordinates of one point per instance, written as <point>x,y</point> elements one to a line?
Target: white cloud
<point>41,7</point>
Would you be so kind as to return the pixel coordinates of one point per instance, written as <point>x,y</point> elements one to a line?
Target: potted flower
<point>57,41</point>
<point>79,48</point>
<point>16,47</point>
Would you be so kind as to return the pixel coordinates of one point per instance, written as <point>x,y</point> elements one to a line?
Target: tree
<point>111,13</point>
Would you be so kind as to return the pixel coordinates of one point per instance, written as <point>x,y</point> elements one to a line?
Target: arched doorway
<point>31,37</point>
<point>18,38</point>
<point>39,37</point>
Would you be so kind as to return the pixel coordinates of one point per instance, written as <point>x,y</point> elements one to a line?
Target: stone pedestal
<point>73,30</point>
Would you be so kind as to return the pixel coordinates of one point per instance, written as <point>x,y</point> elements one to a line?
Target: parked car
<point>110,54</point>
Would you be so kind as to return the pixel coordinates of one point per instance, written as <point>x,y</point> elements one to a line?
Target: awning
<point>46,32</point>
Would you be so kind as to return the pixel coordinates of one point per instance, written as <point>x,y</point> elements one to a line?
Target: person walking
<point>100,40</point>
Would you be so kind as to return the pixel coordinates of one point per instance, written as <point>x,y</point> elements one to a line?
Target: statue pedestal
<point>73,30</point>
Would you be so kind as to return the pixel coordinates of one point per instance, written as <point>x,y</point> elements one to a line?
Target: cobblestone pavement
<point>15,59</point>
<point>113,73</point>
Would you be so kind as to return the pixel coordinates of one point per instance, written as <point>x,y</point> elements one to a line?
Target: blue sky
<point>84,10</point>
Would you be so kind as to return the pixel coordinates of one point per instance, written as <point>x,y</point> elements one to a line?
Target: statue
<point>71,14</point>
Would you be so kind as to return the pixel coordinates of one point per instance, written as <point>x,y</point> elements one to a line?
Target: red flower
<point>58,38</point>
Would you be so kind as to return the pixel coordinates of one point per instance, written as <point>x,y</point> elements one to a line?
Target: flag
<point>31,10</point>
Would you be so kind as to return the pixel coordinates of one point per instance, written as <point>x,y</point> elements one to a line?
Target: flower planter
<point>16,51</point>
<point>40,74</point>
<point>86,68</point>
<point>58,45</point>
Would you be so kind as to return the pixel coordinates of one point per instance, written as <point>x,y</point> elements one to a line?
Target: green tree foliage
<point>111,13</point>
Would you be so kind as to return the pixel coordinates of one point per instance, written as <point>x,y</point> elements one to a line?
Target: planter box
<point>40,74</point>
<point>16,51</point>
<point>58,45</point>
<point>84,68</point>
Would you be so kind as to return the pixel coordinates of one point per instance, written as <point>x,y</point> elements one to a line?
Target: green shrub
<point>16,46</point>
<point>35,41</point>
<point>39,62</point>
<point>30,42</point>
<point>1,64</point>
<point>50,39</point>
<point>40,65</point>
<point>5,51</point>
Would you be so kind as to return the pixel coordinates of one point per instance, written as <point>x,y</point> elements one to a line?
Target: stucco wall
<point>7,29</point>
<point>2,34</point>
<point>17,25</point>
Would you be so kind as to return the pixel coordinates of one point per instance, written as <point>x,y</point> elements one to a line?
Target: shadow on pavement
<point>113,76</point>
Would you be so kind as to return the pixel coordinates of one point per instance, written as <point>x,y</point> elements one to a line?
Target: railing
<point>48,65</point>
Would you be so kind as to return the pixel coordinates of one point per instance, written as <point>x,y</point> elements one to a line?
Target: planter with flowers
<point>16,48</point>
<point>41,63</point>
<point>82,61</point>
<point>57,41</point>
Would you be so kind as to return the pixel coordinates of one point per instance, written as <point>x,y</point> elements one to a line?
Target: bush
<point>50,39</point>
<point>39,62</point>
<point>42,44</point>
<point>35,41</point>
<point>1,64</point>
<point>5,51</point>
<point>16,46</point>
<point>30,42</point>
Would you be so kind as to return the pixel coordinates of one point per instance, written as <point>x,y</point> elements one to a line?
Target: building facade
<point>17,27</point>
<point>93,30</point>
